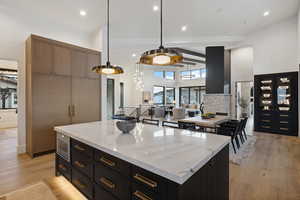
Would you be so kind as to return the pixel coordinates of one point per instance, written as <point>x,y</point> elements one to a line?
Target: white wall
<point>12,43</point>
<point>275,47</point>
<point>241,69</point>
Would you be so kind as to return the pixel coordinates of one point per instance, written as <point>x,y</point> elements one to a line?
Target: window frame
<point>164,94</point>
<point>202,88</point>
<point>174,91</point>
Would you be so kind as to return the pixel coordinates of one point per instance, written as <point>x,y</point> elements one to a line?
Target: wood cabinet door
<point>79,64</point>
<point>85,100</point>
<point>62,61</point>
<point>42,57</point>
<point>93,60</point>
<point>51,96</point>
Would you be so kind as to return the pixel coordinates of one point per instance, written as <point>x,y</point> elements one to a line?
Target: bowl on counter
<point>126,125</point>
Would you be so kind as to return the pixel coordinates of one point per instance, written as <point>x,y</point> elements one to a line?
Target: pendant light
<point>161,56</point>
<point>108,69</point>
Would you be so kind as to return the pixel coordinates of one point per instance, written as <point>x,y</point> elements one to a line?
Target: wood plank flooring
<point>271,173</point>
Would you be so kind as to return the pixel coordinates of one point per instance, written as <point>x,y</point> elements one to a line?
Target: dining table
<point>200,121</point>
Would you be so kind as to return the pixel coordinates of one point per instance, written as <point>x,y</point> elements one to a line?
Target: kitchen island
<point>150,163</point>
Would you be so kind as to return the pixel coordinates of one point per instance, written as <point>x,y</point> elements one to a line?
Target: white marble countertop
<point>171,153</point>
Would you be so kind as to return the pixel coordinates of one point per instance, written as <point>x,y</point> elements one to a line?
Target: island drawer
<point>63,167</point>
<point>112,181</point>
<point>101,194</point>
<point>112,162</point>
<point>142,193</point>
<point>147,179</point>
<point>82,163</point>
<point>82,183</point>
<point>81,148</point>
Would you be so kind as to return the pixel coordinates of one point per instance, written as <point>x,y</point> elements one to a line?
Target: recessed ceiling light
<point>183,28</point>
<point>133,55</point>
<point>155,8</point>
<point>266,13</point>
<point>82,13</point>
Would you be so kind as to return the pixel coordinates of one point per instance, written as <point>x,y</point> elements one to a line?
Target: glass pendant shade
<point>161,56</point>
<point>108,69</point>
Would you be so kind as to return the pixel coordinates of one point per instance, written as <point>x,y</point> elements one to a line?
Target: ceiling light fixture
<point>155,8</point>
<point>133,55</point>
<point>266,13</point>
<point>183,28</point>
<point>108,69</point>
<point>161,56</point>
<point>82,13</point>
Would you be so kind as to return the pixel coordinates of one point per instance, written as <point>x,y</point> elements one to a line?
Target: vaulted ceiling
<point>136,18</point>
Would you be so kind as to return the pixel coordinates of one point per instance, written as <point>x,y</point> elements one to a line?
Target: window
<point>170,75</point>
<point>159,74</point>
<point>193,74</point>
<point>184,96</point>
<point>203,73</point>
<point>191,95</point>
<point>158,95</point>
<point>185,75</point>
<point>170,95</point>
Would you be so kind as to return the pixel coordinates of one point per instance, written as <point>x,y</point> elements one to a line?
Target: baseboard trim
<point>21,149</point>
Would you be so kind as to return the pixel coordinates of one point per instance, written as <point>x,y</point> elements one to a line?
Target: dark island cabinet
<point>101,176</point>
<point>276,103</point>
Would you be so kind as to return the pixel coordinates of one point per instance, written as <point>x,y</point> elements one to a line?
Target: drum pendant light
<point>108,69</point>
<point>161,56</point>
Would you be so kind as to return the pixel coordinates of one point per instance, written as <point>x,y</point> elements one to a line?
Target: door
<point>110,98</point>
<point>121,95</point>
<point>85,100</point>
<point>51,97</point>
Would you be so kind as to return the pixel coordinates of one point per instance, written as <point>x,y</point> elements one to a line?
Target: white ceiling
<point>136,19</point>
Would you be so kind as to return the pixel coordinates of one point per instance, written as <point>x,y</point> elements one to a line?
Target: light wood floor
<point>271,173</point>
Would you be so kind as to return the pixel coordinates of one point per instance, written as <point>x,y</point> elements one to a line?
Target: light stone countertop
<point>171,153</point>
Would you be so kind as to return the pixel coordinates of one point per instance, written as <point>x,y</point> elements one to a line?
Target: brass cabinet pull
<point>141,195</point>
<point>145,180</point>
<point>79,184</point>
<point>266,126</point>
<point>266,114</point>
<point>107,162</point>
<point>60,166</point>
<point>284,115</point>
<point>69,111</point>
<point>107,183</point>
<point>73,110</point>
<point>284,122</point>
<point>284,129</point>
<point>79,164</point>
<point>266,120</point>
<point>79,148</point>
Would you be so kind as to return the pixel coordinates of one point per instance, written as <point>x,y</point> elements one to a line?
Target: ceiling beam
<point>189,52</point>
<point>194,60</point>
<point>187,63</point>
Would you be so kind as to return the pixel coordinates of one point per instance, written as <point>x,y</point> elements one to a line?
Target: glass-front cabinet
<point>276,103</point>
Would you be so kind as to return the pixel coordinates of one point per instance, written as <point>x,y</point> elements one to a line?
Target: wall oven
<point>63,146</point>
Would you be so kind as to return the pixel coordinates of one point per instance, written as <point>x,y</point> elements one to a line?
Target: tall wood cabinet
<point>276,103</point>
<point>61,89</point>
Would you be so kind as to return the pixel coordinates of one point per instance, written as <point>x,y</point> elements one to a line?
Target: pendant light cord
<point>161,24</point>
<point>108,32</point>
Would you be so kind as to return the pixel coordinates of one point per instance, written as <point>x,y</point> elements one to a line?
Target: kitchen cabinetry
<point>276,103</point>
<point>60,90</point>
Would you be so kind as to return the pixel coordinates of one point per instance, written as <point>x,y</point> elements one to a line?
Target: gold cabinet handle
<point>69,111</point>
<point>266,126</point>
<point>79,184</point>
<point>284,115</point>
<point>107,162</point>
<point>73,110</point>
<point>79,164</point>
<point>266,120</point>
<point>284,122</point>
<point>141,195</point>
<point>79,148</point>
<point>284,129</point>
<point>107,183</point>
<point>145,180</point>
<point>60,166</point>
